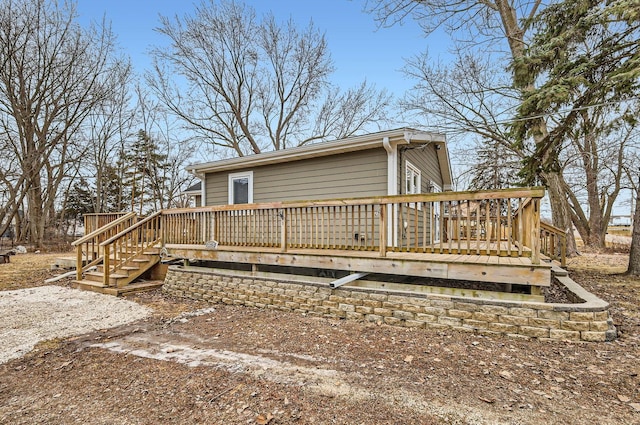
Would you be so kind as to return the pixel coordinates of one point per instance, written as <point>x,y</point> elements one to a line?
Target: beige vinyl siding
<point>347,175</point>
<point>426,160</point>
<point>216,187</point>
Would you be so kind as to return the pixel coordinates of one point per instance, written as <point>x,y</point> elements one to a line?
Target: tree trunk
<point>35,210</point>
<point>560,209</point>
<point>634,253</point>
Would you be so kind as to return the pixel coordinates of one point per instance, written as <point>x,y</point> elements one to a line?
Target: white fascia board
<point>423,136</point>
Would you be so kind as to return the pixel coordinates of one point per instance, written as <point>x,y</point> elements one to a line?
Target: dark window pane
<point>241,190</point>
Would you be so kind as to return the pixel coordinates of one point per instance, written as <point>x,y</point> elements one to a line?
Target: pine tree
<point>495,167</point>
<point>145,173</point>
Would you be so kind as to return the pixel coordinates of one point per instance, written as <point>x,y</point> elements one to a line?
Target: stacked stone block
<point>575,322</point>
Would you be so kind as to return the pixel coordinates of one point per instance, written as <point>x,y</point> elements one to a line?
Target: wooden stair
<point>122,280</point>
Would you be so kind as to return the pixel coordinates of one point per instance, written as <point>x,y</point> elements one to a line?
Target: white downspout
<point>203,191</point>
<point>392,166</point>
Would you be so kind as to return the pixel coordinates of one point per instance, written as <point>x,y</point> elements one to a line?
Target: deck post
<point>535,230</point>
<point>283,230</point>
<point>383,230</point>
<point>106,265</point>
<point>563,251</point>
<point>79,264</point>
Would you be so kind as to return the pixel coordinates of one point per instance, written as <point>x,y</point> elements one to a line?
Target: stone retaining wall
<point>587,321</point>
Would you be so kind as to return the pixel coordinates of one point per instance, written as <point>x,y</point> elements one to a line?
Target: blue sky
<point>358,47</point>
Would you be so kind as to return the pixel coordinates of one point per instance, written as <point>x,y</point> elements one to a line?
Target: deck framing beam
<point>427,266</point>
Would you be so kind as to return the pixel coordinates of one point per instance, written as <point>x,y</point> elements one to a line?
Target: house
<point>194,194</point>
<point>378,204</point>
<point>396,162</point>
<point>365,228</point>
<point>402,161</point>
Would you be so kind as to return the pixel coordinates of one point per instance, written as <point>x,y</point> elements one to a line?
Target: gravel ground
<point>28,316</point>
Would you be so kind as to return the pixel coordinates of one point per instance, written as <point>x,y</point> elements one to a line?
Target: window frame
<point>236,176</point>
<point>408,166</point>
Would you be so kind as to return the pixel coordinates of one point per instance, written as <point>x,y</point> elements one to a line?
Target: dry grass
<point>27,270</point>
<point>30,270</point>
<point>603,263</point>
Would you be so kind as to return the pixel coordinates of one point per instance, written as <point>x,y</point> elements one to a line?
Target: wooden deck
<point>485,236</point>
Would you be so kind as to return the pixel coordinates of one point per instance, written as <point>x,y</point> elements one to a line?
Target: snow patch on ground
<point>28,316</point>
<point>329,382</point>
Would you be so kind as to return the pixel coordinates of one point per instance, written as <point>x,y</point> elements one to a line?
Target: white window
<point>241,188</point>
<point>436,213</point>
<point>413,181</point>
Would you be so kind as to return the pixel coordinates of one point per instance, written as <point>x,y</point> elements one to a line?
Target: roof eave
<point>351,144</point>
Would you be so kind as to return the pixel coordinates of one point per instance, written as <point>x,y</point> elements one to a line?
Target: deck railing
<point>504,222</point>
<point>553,243</point>
<point>130,243</point>
<point>94,221</point>
<point>89,251</point>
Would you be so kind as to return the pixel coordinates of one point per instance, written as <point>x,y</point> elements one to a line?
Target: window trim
<point>235,176</point>
<point>408,166</point>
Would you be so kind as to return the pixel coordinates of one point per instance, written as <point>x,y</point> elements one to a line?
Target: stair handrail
<point>103,229</point>
<point>116,240</point>
<point>130,228</point>
<point>90,239</point>
<point>549,247</point>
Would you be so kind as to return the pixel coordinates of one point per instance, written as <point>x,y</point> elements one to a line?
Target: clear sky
<point>358,47</point>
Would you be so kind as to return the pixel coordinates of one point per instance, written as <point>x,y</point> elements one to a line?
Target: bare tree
<point>634,253</point>
<point>110,123</point>
<point>53,74</point>
<point>632,173</point>
<point>250,84</point>
<point>594,163</point>
<point>11,187</point>
<point>165,151</point>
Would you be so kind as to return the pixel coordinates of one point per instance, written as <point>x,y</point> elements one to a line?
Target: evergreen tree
<point>583,73</point>
<point>81,200</point>
<point>145,173</point>
<point>496,167</point>
<point>585,54</point>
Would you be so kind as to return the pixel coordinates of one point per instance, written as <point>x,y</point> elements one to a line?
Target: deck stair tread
<point>112,275</point>
<point>558,271</point>
<point>91,283</point>
<point>128,289</point>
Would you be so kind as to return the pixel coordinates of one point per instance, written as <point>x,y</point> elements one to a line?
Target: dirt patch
<point>239,365</point>
<point>28,316</point>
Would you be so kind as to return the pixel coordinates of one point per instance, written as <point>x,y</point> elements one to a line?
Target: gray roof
<point>196,187</point>
<point>349,144</point>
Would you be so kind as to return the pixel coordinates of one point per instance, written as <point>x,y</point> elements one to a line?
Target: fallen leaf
<point>262,420</point>
<point>487,400</point>
<point>506,374</point>
<point>635,406</point>
<point>408,359</point>
<point>624,398</point>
